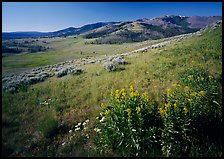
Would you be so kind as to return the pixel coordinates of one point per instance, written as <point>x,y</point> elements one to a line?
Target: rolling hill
<point>155,28</point>
<point>60,116</point>
<point>63,32</point>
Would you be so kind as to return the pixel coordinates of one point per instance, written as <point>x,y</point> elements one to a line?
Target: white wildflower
<point>70,131</point>
<point>78,125</point>
<point>77,129</point>
<point>102,120</point>
<point>63,144</point>
<point>133,130</point>
<point>87,120</point>
<point>97,129</point>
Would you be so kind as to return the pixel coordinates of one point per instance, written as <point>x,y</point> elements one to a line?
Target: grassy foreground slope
<point>41,120</point>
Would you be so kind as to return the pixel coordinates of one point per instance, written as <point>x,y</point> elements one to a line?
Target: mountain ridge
<point>142,28</point>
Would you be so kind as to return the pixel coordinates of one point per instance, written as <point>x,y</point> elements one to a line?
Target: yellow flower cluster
<point>186,89</point>
<point>176,85</point>
<point>201,93</point>
<point>123,93</point>
<point>131,88</point>
<point>169,92</point>
<point>119,93</point>
<point>103,106</point>
<point>129,112</point>
<point>162,112</point>
<point>134,94</point>
<point>175,105</point>
<point>145,96</point>
<point>138,109</point>
<point>185,110</point>
<point>107,112</point>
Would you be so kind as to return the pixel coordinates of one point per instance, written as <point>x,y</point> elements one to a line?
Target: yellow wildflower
<point>107,112</point>
<point>162,111</point>
<point>117,94</point>
<point>136,93</point>
<point>123,93</point>
<point>122,90</point>
<point>132,94</point>
<point>175,105</point>
<point>131,88</point>
<point>145,96</point>
<point>169,92</point>
<point>201,93</point>
<point>167,105</point>
<point>174,85</point>
<point>186,89</point>
<point>102,105</point>
<point>189,100</point>
<point>194,94</point>
<point>129,112</point>
<point>138,109</point>
<point>185,110</point>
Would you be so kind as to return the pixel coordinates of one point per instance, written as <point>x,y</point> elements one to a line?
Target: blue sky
<point>52,16</point>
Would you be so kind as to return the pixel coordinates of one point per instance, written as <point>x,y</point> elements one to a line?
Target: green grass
<point>77,98</point>
<point>62,50</point>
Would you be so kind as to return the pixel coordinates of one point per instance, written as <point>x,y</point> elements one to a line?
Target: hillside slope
<point>155,28</point>
<point>41,120</point>
<point>60,33</point>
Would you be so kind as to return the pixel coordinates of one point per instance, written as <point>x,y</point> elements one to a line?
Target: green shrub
<point>191,113</point>
<point>188,119</point>
<point>129,124</point>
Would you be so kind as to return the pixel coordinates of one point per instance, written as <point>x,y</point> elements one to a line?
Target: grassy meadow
<point>62,49</point>
<point>57,117</point>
